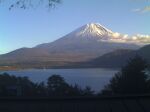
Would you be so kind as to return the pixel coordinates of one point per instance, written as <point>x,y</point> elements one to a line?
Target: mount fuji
<point>83,44</point>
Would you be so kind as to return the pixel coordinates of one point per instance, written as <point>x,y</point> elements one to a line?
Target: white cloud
<point>116,35</point>
<point>146,9</point>
<point>142,10</point>
<point>141,38</point>
<point>138,38</point>
<point>136,10</point>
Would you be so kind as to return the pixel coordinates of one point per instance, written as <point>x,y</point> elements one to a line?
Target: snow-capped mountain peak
<point>99,33</point>
<point>94,29</point>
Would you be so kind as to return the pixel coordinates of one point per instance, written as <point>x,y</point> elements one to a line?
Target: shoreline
<point>17,69</point>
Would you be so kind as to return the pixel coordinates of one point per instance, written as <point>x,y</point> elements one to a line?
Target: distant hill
<point>145,52</point>
<point>119,58</point>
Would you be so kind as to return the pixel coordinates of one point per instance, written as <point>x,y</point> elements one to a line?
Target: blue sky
<point>27,28</point>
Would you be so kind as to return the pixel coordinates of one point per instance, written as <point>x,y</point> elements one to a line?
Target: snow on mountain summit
<point>94,29</point>
<point>103,34</point>
<point>99,32</point>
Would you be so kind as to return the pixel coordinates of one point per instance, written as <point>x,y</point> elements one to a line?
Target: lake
<point>96,78</point>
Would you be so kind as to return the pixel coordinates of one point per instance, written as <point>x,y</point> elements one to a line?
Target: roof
<point>77,104</point>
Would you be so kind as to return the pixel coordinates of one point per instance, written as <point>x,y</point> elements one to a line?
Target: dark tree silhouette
<point>57,86</point>
<point>16,86</point>
<point>41,90</point>
<point>88,91</point>
<point>76,90</point>
<point>132,79</point>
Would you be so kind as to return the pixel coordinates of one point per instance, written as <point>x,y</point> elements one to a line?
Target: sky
<point>28,28</point>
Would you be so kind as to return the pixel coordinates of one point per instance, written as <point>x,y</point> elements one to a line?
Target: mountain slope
<point>119,58</point>
<point>88,41</point>
<point>83,44</point>
<point>145,52</point>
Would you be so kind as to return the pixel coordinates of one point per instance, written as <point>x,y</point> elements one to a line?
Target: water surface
<point>96,78</point>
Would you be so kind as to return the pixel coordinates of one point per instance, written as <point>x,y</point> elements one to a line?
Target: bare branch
<point>25,4</point>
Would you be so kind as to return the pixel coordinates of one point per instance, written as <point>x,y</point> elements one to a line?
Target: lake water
<point>96,78</point>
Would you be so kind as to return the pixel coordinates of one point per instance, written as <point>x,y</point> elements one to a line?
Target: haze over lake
<point>96,78</point>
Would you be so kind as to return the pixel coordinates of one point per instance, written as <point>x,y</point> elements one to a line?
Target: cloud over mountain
<point>142,10</point>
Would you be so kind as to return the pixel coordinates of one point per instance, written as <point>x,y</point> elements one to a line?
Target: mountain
<point>119,58</point>
<point>83,44</point>
<point>145,52</point>
<point>90,40</point>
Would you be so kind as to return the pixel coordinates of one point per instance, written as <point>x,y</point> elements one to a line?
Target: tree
<point>132,79</point>
<point>88,91</point>
<point>57,86</point>
<point>16,86</point>
<point>75,90</point>
<point>41,90</point>
<point>24,4</point>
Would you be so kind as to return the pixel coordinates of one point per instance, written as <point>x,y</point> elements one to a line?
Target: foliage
<point>15,86</point>
<point>56,86</point>
<point>132,79</point>
<point>88,91</point>
<point>24,4</point>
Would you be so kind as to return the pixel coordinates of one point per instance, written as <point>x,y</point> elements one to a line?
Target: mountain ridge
<point>119,58</point>
<point>83,44</point>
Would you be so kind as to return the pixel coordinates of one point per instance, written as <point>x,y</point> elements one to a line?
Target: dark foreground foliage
<point>56,86</point>
<point>132,79</point>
